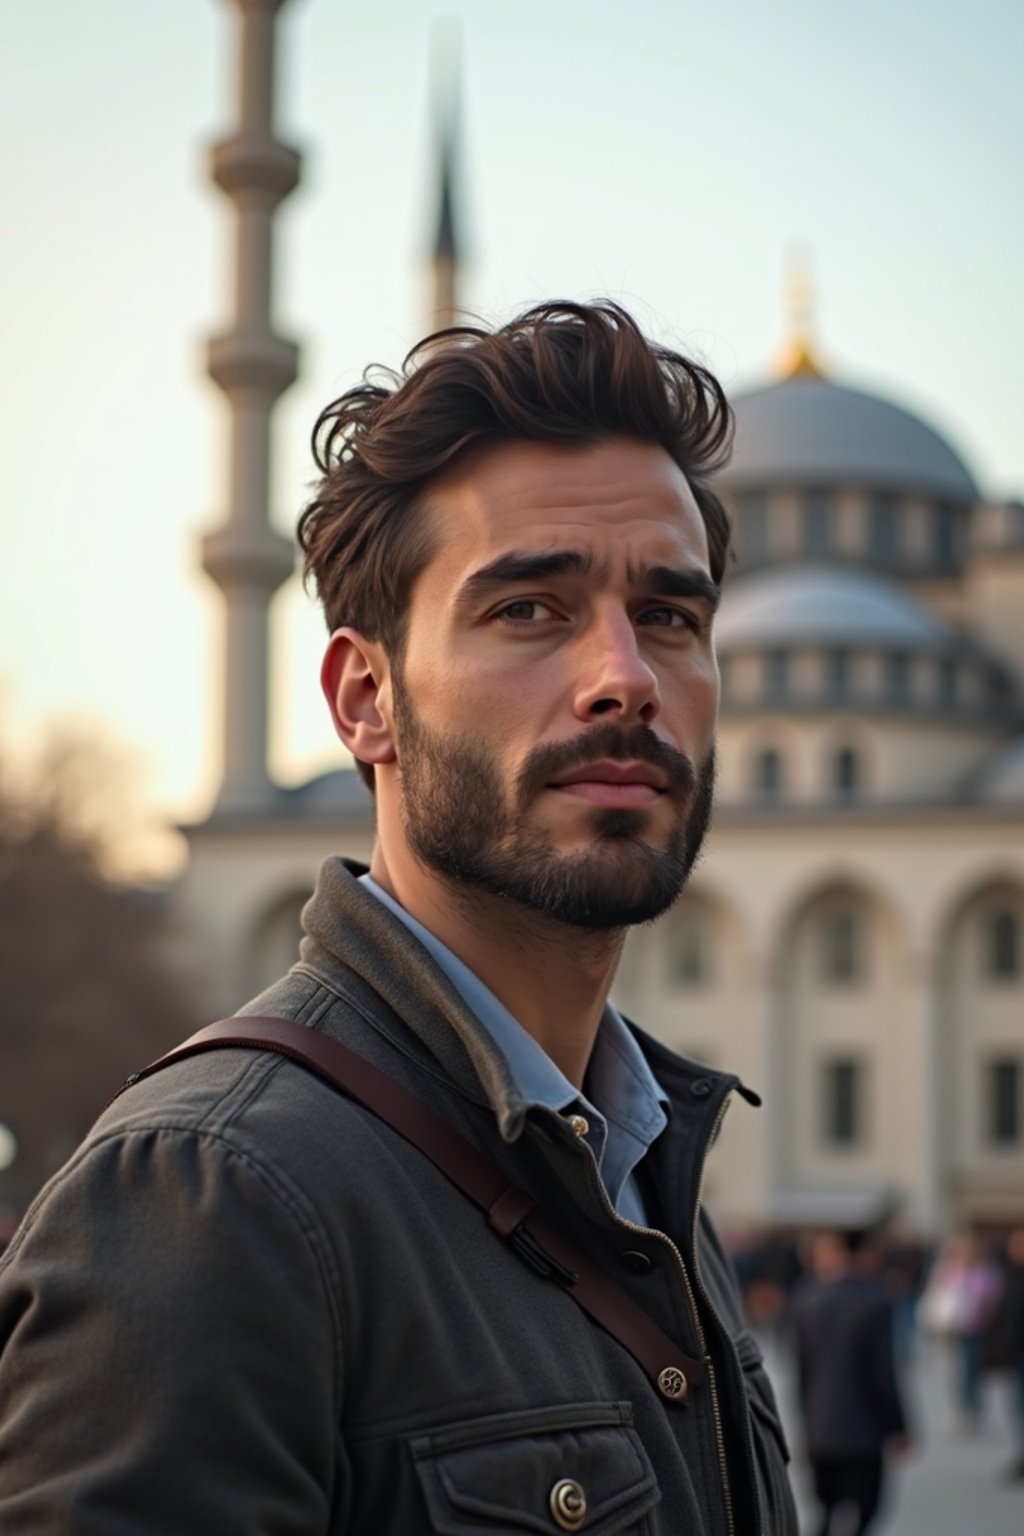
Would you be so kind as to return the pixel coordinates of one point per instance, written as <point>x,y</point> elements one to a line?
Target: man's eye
<point>669,618</point>
<point>525,610</point>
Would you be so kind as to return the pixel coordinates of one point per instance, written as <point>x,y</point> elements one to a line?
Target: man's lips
<point>611,783</point>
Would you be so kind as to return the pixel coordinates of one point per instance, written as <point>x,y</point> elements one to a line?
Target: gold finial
<point>799,359</point>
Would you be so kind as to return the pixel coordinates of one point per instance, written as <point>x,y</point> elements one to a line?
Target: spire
<point>799,357</point>
<point>444,241</point>
<point>253,365</point>
<point>444,256</point>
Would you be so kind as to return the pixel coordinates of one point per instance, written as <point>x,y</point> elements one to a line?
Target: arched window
<point>883,528</point>
<point>837,675</point>
<point>1002,944</point>
<point>752,528</point>
<point>945,535</point>
<point>768,774</point>
<point>274,943</point>
<point>949,674</point>
<point>690,946</point>
<point>817,523</point>
<point>841,946</point>
<point>897,677</point>
<point>842,1101</point>
<point>776,674</point>
<point>1002,1112</point>
<point>846,776</point>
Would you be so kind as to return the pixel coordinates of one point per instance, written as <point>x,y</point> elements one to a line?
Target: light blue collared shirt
<point>626,1108</point>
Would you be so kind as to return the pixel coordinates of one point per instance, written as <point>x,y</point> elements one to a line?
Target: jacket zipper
<point>716,1414</point>
<point>623,1221</point>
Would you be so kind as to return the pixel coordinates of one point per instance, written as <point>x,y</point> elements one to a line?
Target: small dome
<point>806,431</point>
<point>340,792</point>
<point>1002,778</point>
<point>826,606</point>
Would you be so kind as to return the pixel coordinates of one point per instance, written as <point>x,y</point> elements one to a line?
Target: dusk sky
<point>666,154</point>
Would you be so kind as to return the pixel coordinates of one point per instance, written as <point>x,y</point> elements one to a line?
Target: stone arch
<point>678,975</point>
<point>981,1037</point>
<point>996,882</point>
<point>838,976</point>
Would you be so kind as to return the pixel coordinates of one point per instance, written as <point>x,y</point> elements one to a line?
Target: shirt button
<point>702,1087</point>
<point>635,1261</point>
<point>568,1504</point>
<point>579,1124</point>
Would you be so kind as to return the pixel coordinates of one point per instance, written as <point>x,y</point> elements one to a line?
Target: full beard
<point>459,824</point>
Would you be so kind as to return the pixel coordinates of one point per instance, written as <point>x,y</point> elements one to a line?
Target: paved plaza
<point>951,1485</point>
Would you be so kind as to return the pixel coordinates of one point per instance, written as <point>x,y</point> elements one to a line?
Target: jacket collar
<point>349,930</point>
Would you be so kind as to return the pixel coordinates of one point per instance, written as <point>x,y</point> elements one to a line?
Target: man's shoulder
<point>251,1102</point>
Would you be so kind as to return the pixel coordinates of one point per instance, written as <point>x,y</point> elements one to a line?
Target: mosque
<point>852,942</point>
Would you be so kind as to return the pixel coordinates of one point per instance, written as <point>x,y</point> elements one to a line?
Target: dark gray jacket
<point>247,1306</point>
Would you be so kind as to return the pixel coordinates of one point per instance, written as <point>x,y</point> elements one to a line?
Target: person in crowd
<point>851,1404</point>
<point>1004,1344</point>
<point>904,1266</point>
<point>957,1307</point>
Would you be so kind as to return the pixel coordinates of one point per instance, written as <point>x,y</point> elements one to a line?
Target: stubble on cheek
<point>482,825</point>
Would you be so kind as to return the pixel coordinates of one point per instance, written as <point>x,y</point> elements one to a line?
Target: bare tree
<point>86,993</point>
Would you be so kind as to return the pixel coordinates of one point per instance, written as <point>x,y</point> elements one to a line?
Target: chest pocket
<point>580,1467</point>
<point>770,1449</point>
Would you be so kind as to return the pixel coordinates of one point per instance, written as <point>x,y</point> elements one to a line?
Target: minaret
<point>799,359</point>
<point>444,255</point>
<point>253,366</point>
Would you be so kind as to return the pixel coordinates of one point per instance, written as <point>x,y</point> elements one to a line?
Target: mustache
<point>638,743</point>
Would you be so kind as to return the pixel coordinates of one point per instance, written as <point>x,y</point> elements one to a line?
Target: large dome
<point>806,431</point>
<point>825,605</point>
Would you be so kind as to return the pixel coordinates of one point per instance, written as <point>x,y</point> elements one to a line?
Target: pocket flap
<point>760,1393</point>
<point>575,1468</point>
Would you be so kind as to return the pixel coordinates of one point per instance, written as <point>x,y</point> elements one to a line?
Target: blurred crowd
<point>850,1307</point>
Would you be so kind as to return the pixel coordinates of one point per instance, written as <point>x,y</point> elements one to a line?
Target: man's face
<point>555,706</point>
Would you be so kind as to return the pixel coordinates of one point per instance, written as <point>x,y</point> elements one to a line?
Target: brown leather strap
<point>511,1212</point>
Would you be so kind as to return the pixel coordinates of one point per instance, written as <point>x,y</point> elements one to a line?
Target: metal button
<point>702,1087</point>
<point>579,1124</point>
<point>632,1259</point>
<point>673,1384</point>
<point>568,1504</point>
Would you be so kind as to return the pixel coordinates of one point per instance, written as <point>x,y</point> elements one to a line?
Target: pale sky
<point>665,153</point>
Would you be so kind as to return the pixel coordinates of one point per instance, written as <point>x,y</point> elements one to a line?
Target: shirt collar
<point>624,1103</point>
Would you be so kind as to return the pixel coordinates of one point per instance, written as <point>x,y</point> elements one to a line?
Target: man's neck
<point>553,978</point>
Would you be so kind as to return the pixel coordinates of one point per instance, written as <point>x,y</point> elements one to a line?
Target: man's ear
<point>355,678</point>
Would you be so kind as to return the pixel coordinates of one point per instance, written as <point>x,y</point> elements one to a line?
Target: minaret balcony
<point>255,559</point>
<point>245,359</point>
<point>247,163</point>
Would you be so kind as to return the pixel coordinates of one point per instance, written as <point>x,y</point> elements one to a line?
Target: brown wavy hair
<point>559,373</point>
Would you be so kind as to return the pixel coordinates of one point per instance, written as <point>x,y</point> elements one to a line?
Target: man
<point>849,1396</point>
<point>248,1305</point>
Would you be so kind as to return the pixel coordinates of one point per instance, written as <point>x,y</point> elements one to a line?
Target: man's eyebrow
<point>522,565</point>
<point>526,565</point>
<point>674,581</point>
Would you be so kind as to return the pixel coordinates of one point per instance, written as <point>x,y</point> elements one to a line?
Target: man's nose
<point>614,678</point>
